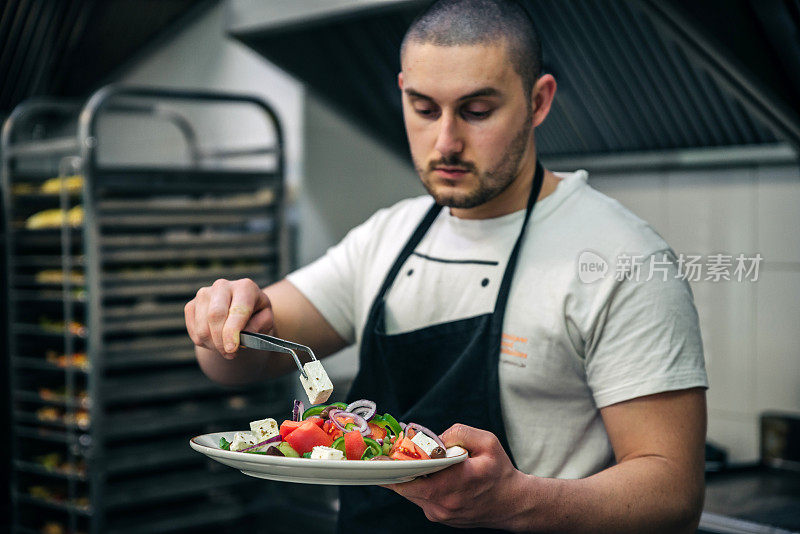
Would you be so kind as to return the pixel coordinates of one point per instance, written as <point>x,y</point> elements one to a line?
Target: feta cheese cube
<point>243,440</point>
<point>424,442</point>
<point>264,429</point>
<point>321,452</point>
<point>318,386</point>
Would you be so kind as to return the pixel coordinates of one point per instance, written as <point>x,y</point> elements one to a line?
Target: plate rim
<point>308,462</point>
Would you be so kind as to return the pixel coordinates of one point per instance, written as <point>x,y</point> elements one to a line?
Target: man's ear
<point>542,96</point>
<point>400,80</point>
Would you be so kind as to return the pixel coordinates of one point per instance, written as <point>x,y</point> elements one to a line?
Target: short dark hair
<point>470,22</point>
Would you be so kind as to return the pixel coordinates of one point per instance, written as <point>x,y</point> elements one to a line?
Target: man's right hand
<point>219,312</point>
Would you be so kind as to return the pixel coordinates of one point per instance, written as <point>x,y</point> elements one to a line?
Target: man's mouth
<point>451,172</point>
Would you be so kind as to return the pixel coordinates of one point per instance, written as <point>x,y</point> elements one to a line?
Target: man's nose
<point>449,141</point>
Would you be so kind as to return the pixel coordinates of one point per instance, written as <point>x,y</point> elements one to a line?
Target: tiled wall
<point>751,329</point>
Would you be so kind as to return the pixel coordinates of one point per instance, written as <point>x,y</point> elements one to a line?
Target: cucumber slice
<point>287,450</point>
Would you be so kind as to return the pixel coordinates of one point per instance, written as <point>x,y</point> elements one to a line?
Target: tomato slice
<point>400,455</point>
<point>354,445</point>
<point>307,436</point>
<point>332,430</point>
<point>287,427</point>
<point>319,421</point>
<point>396,442</point>
<point>408,450</point>
<point>376,431</point>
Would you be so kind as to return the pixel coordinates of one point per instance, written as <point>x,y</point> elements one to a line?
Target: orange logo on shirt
<point>507,345</point>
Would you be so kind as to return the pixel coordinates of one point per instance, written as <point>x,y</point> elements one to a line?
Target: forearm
<point>642,494</point>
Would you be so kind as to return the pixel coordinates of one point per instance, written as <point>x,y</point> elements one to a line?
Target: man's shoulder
<point>387,226</point>
<point>605,224</point>
<point>405,213</point>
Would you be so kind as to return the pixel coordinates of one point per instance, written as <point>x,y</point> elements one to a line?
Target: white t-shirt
<point>574,340</point>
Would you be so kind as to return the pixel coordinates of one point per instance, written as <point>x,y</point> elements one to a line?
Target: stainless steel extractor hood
<point>634,76</point>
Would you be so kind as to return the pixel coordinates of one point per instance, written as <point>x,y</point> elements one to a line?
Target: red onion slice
<point>297,410</point>
<point>257,445</point>
<point>363,427</point>
<point>365,408</point>
<point>427,432</point>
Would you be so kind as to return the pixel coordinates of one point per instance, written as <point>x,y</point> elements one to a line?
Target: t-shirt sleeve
<point>646,339</point>
<point>329,282</point>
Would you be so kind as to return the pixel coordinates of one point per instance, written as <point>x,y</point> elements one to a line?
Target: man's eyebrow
<point>485,91</point>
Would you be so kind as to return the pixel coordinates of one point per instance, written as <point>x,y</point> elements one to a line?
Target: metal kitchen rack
<point>104,384</point>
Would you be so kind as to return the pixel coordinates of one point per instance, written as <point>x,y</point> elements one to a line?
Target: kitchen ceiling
<point>68,48</point>
<point>633,76</point>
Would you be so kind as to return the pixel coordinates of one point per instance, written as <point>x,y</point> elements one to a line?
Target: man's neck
<point>549,184</point>
<point>513,198</point>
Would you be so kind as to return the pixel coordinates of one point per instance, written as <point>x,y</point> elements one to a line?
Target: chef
<point>494,309</point>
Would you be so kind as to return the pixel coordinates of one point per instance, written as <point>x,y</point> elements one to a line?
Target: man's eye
<point>425,112</point>
<point>476,114</point>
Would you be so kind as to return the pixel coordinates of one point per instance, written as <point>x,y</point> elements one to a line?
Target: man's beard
<point>490,183</point>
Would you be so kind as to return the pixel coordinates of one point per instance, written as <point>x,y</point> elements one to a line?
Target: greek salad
<point>338,431</point>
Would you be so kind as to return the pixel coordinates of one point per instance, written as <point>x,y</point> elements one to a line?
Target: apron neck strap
<point>508,275</point>
<point>426,223</point>
<point>408,249</point>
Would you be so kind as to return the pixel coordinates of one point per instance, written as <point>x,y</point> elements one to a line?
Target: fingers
<point>438,494</point>
<point>431,487</point>
<point>475,440</point>
<point>417,491</point>
<point>188,315</point>
<point>464,494</point>
<point>218,313</point>
<point>262,321</point>
<point>246,298</point>
<point>218,305</point>
<point>201,329</point>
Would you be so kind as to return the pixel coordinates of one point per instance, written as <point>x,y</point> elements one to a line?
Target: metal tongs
<point>251,340</point>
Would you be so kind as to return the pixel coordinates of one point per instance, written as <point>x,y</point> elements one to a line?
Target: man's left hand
<point>481,491</point>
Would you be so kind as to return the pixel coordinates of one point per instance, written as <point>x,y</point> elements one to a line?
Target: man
<point>582,404</point>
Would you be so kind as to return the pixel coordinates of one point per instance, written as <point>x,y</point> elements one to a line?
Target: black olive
<point>380,457</point>
<point>325,411</point>
<point>438,452</point>
<point>274,451</point>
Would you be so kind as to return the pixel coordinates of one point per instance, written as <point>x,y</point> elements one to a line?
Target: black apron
<point>436,376</point>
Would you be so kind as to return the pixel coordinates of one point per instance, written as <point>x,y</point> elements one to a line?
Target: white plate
<point>308,471</point>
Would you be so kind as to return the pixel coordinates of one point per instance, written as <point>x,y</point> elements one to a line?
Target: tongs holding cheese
<point>251,340</point>
<point>315,380</point>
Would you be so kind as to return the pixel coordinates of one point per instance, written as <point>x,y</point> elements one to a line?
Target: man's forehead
<point>430,67</point>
